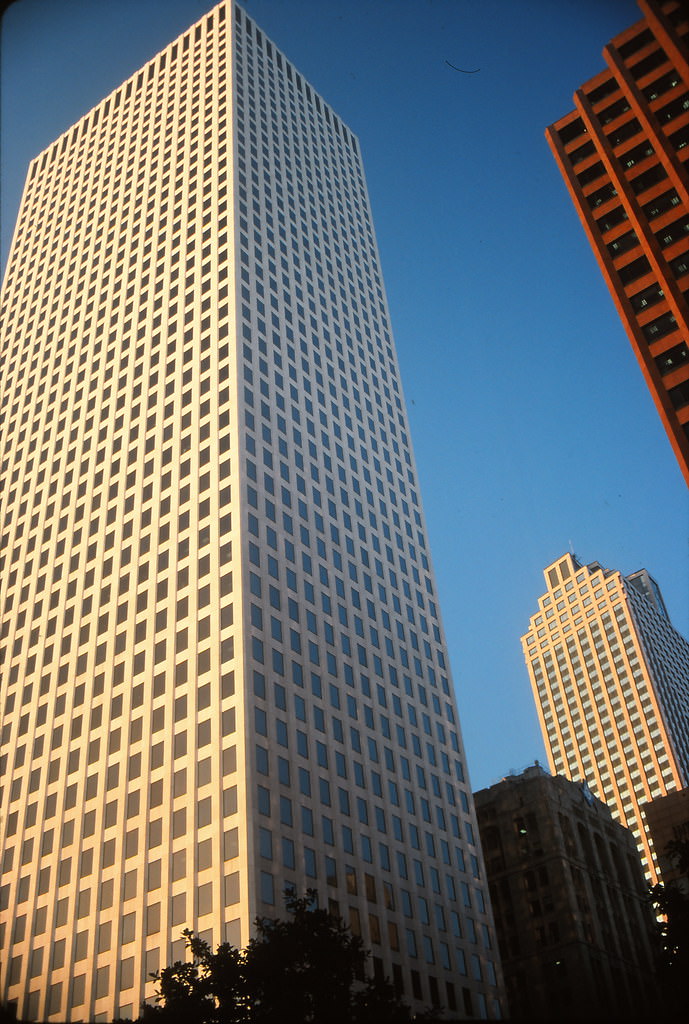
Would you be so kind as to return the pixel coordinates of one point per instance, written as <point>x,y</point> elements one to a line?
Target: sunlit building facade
<point>610,677</point>
<point>223,667</point>
<point>623,152</point>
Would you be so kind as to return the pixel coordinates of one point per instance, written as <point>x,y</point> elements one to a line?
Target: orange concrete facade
<point>624,154</point>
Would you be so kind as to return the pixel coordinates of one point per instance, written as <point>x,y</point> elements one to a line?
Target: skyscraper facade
<point>623,153</point>
<point>224,671</point>
<point>610,677</point>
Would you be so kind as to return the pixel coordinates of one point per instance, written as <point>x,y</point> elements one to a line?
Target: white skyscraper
<point>223,667</point>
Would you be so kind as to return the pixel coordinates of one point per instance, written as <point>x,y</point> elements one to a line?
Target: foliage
<point>209,990</point>
<point>7,1015</point>
<point>671,905</point>
<point>678,851</point>
<point>307,969</point>
<point>303,969</point>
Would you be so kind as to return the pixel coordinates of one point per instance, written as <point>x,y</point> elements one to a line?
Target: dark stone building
<point>572,919</point>
<point>668,822</point>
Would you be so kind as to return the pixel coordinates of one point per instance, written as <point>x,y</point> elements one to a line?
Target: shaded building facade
<point>623,153</point>
<point>668,822</point>
<point>224,672</point>
<point>610,677</point>
<point>568,894</point>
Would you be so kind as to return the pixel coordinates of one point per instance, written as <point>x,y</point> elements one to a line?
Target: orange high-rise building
<point>624,154</point>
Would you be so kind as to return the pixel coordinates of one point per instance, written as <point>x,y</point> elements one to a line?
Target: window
<point>673,358</point>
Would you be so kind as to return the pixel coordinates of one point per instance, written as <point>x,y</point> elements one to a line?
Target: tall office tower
<point>224,672</point>
<point>571,913</point>
<point>623,153</point>
<point>610,677</point>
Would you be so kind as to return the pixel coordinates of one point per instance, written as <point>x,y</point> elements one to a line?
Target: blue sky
<point>532,426</point>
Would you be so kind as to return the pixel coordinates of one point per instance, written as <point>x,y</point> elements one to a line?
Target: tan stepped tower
<point>610,677</point>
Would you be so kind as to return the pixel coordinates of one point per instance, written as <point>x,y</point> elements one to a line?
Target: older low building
<point>668,822</point>
<point>569,899</point>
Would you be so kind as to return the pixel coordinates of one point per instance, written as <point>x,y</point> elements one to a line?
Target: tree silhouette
<point>209,990</point>
<point>306,969</point>
<point>303,968</point>
<point>671,904</point>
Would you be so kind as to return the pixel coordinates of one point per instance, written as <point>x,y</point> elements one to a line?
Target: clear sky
<point>532,426</point>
